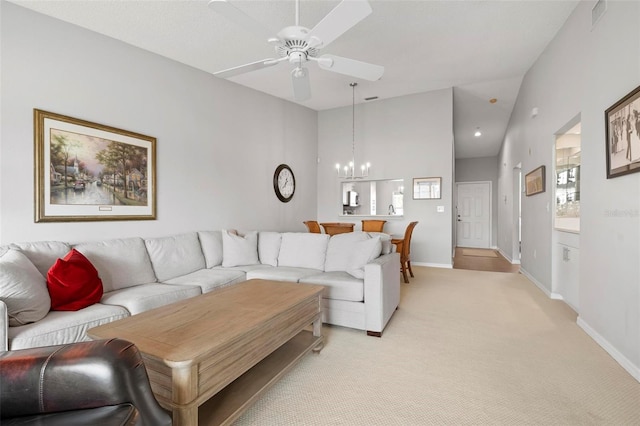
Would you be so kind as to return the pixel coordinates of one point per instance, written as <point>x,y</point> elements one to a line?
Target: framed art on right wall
<point>534,181</point>
<point>622,122</point>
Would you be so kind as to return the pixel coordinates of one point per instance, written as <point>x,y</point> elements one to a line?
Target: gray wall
<point>218,143</point>
<point>583,71</point>
<point>482,169</point>
<point>404,137</point>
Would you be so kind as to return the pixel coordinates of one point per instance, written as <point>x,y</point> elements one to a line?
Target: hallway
<point>482,260</point>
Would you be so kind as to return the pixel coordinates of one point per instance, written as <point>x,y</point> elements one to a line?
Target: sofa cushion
<point>61,327</point>
<point>364,252</point>
<point>23,289</point>
<point>269,247</point>
<point>175,255</point>
<point>73,283</point>
<point>239,249</point>
<point>340,250</point>
<point>209,279</point>
<point>43,254</point>
<point>245,268</point>
<point>338,285</point>
<point>303,250</point>
<point>281,273</point>
<point>148,296</point>
<point>211,243</point>
<point>120,263</point>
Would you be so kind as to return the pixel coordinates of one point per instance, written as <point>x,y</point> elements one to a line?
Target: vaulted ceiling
<point>481,48</point>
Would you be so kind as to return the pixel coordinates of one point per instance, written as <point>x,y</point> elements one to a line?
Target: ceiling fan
<point>299,45</point>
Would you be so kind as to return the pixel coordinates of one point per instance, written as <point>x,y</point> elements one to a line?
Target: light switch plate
<point>440,209</point>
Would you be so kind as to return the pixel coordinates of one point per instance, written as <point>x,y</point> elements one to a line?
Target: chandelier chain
<point>353,122</point>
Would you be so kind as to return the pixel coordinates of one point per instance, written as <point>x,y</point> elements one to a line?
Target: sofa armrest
<point>381,291</point>
<point>4,327</point>
<point>77,376</point>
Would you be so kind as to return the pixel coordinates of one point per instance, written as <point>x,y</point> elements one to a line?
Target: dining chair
<point>313,226</point>
<point>333,228</point>
<point>403,246</point>
<point>373,225</point>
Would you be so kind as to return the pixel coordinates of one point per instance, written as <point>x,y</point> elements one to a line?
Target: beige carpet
<point>464,348</point>
<point>479,252</point>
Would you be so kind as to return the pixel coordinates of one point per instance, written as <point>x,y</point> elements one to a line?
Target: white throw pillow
<point>385,239</point>
<point>364,253</point>
<point>23,289</point>
<point>239,250</point>
<point>269,247</point>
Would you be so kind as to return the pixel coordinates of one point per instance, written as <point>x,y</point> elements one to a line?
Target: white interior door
<point>474,215</point>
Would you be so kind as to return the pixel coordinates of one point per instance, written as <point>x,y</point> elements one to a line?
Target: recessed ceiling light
<point>493,100</point>
<point>478,133</point>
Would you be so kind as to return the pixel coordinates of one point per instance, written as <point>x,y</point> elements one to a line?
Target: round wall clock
<point>284,183</point>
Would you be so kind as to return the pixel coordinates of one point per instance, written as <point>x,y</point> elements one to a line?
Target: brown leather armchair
<point>89,383</point>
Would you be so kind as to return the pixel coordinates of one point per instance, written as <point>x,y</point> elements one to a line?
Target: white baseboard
<point>632,369</point>
<point>506,256</point>
<point>434,265</point>
<point>536,282</point>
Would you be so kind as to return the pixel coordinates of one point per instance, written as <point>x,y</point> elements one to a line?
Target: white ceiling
<point>481,48</point>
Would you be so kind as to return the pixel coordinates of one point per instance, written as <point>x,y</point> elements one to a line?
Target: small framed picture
<point>426,188</point>
<point>622,122</point>
<point>534,181</point>
<point>88,172</point>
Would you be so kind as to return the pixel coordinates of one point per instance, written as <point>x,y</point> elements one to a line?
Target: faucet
<point>391,209</point>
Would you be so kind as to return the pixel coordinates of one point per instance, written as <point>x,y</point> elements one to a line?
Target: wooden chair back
<point>406,245</point>
<point>313,226</point>
<point>373,225</point>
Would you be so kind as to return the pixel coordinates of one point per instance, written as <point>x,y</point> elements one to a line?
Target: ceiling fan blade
<point>344,16</point>
<point>233,14</point>
<point>351,67</point>
<point>253,66</point>
<point>301,86</point>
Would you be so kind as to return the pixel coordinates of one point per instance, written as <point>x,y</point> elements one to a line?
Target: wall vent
<point>598,10</point>
<point>372,98</point>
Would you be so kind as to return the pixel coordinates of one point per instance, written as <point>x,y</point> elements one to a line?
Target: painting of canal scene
<point>86,171</point>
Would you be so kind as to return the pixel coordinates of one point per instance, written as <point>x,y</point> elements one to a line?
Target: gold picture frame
<point>86,171</point>
<point>535,181</point>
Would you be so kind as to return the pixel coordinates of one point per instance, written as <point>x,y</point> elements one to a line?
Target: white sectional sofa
<point>360,272</point>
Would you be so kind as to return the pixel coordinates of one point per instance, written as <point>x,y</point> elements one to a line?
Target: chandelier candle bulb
<point>349,172</point>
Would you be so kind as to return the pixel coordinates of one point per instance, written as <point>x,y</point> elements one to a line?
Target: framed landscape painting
<point>622,121</point>
<point>88,172</point>
<point>534,181</point>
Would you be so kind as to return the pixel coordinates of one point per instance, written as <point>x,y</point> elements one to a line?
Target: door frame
<point>490,204</point>
<point>516,236</point>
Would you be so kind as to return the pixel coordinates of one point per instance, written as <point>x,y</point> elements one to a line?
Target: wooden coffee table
<point>211,356</point>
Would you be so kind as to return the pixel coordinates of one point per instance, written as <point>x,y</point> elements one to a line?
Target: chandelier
<point>349,171</point>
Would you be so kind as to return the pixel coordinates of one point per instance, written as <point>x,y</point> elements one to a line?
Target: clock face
<point>284,183</point>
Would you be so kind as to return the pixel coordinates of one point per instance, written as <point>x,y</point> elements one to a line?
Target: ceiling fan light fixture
<point>299,45</point>
<point>299,72</point>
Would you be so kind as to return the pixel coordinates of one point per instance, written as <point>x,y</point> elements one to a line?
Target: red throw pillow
<point>73,283</point>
